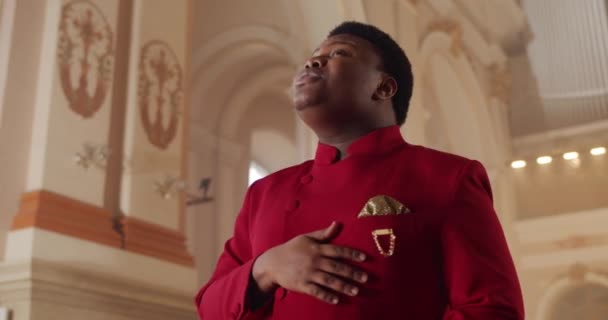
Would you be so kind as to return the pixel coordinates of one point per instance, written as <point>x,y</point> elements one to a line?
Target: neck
<point>342,133</point>
<point>342,139</point>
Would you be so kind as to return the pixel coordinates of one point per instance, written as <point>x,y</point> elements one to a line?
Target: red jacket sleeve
<point>224,296</point>
<point>479,272</point>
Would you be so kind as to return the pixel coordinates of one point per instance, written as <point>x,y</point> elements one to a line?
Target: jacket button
<point>293,205</point>
<point>306,179</point>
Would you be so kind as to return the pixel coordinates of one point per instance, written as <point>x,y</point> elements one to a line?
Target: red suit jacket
<point>450,258</point>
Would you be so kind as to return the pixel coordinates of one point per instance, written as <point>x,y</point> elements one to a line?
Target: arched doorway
<point>586,301</point>
<point>240,89</point>
<point>579,294</point>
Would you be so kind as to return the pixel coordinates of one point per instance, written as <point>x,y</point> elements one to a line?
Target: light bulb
<point>544,160</point>
<point>517,164</point>
<point>598,151</point>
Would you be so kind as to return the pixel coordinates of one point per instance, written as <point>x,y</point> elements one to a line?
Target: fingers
<point>323,274</point>
<point>326,234</point>
<point>333,251</point>
<point>341,269</point>
<point>337,284</point>
<point>321,293</point>
<point>332,231</point>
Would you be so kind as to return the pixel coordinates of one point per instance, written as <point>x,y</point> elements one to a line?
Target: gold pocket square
<point>382,206</point>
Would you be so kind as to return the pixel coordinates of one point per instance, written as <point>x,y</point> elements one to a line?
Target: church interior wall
<point>16,111</point>
<point>475,89</point>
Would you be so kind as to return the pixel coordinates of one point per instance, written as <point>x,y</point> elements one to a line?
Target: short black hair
<point>394,60</point>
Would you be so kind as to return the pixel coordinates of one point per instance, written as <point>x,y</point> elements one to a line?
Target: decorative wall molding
<point>38,288</point>
<point>156,241</point>
<point>37,244</point>
<point>54,212</point>
<point>436,47</point>
<point>486,58</point>
<point>160,92</point>
<point>512,33</point>
<point>92,155</point>
<point>573,242</point>
<point>556,241</point>
<point>85,56</point>
<point>562,139</point>
<point>555,228</point>
<point>450,27</point>
<point>500,82</point>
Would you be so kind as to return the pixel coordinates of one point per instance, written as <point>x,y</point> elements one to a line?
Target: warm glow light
<point>518,164</point>
<point>544,160</point>
<point>571,155</point>
<point>598,151</point>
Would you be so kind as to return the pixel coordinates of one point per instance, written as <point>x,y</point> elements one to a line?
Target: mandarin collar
<point>375,142</point>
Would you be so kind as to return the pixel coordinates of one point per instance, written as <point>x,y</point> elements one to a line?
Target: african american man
<point>373,227</point>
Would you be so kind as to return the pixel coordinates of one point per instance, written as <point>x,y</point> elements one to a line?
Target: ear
<point>386,89</point>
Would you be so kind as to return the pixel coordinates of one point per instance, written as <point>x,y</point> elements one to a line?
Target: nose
<point>316,62</point>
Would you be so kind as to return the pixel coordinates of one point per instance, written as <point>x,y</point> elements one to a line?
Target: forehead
<point>360,44</point>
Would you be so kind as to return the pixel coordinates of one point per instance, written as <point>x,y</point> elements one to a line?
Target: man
<point>373,227</point>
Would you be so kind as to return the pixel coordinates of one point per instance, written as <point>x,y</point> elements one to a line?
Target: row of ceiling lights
<point>573,155</point>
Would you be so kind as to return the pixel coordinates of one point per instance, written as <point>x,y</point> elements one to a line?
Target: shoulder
<point>442,172</point>
<point>438,162</point>
<point>282,177</point>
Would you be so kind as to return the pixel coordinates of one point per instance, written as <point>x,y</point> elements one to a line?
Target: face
<point>338,83</point>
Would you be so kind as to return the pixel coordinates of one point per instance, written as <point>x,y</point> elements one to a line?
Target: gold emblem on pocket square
<point>391,245</point>
<point>381,206</point>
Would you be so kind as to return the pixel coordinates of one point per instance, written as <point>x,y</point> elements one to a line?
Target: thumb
<point>326,234</point>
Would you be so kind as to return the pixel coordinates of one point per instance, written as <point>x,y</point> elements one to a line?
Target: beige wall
<point>39,136</point>
<point>235,13</point>
<point>17,110</point>
<point>7,10</point>
<point>242,56</point>
<point>148,164</point>
<point>558,254</point>
<point>271,124</point>
<point>59,132</point>
<point>562,186</point>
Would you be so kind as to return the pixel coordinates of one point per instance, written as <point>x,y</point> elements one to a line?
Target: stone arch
<point>229,72</point>
<point>241,46</point>
<point>237,104</point>
<point>476,136</point>
<point>578,278</point>
<point>250,33</point>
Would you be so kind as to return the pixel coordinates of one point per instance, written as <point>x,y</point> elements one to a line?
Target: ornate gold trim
<point>385,232</point>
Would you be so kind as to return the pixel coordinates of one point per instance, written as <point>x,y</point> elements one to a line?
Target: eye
<point>340,52</point>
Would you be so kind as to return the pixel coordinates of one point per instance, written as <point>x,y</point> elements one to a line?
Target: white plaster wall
<point>147,164</point>
<point>18,104</point>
